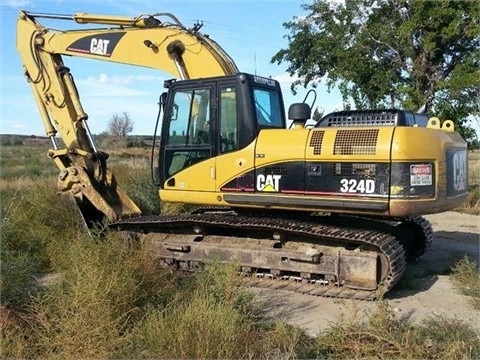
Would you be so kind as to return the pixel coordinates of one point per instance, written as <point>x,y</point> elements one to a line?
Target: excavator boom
<point>144,40</point>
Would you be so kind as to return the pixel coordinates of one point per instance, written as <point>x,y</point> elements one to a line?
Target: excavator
<point>332,209</point>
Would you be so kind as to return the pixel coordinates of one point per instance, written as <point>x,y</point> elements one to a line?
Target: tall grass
<point>23,161</point>
<point>86,312</point>
<point>201,323</point>
<point>38,222</point>
<point>137,182</point>
<point>384,335</point>
<point>466,278</point>
<point>112,301</point>
<point>17,282</point>
<point>472,203</point>
<point>216,319</point>
<point>36,226</point>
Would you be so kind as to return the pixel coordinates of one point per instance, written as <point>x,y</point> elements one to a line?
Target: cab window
<point>268,108</point>
<point>228,119</point>
<point>190,118</point>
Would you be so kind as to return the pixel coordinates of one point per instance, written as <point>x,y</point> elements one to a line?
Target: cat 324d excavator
<point>333,209</point>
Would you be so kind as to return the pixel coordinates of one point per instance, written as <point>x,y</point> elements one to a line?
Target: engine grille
<point>356,142</point>
<point>276,170</point>
<point>360,118</point>
<point>354,169</point>
<point>316,142</point>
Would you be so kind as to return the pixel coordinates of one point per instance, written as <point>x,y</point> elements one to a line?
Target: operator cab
<point>208,117</point>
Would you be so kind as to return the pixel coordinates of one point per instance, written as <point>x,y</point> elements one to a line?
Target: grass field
<point>110,299</point>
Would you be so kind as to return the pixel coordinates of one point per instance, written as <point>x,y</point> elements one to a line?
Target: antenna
<point>255,61</point>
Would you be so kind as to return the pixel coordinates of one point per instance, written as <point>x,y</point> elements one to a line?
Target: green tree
<point>391,53</point>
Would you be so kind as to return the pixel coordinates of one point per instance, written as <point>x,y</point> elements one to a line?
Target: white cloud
<point>286,79</point>
<point>101,96</point>
<point>123,79</point>
<point>102,87</point>
<point>17,3</point>
<point>329,101</point>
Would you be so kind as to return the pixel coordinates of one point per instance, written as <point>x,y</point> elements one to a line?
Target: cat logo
<point>99,46</point>
<point>268,183</point>
<point>460,170</point>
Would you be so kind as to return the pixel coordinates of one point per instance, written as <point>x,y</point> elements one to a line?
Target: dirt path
<point>427,292</point>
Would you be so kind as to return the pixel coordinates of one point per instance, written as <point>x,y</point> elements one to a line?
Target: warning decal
<point>420,175</point>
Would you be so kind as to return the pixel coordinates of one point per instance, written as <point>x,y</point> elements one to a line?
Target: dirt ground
<point>428,292</point>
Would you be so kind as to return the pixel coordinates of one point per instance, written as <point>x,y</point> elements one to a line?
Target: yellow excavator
<point>333,209</point>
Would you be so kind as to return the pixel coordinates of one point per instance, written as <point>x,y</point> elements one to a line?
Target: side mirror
<point>299,112</point>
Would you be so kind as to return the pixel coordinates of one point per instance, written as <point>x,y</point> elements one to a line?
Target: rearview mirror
<point>174,113</point>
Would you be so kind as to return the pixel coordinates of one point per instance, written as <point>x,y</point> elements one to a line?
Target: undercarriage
<point>334,256</point>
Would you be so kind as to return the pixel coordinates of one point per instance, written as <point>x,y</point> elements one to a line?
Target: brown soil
<point>426,291</point>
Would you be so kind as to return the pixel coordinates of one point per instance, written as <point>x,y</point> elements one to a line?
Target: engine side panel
<point>387,171</point>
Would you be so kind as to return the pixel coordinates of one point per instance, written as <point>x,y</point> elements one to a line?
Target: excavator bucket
<point>97,201</point>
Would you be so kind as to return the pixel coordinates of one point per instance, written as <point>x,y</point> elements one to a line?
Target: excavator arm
<point>156,41</point>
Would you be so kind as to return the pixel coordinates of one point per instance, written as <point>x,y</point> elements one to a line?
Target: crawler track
<point>271,249</point>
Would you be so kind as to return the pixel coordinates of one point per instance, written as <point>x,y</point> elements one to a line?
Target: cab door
<point>188,141</point>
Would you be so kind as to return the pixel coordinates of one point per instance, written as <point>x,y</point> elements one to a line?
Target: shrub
<point>11,140</point>
<point>135,178</point>
<point>25,162</point>
<point>472,204</point>
<point>214,318</point>
<point>37,222</point>
<point>85,313</point>
<point>112,301</point>
<point>135,141</point>
<point>466,278</point>
<point>17,282</point>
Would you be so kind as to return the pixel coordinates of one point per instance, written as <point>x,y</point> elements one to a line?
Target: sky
<point>251,32</point>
